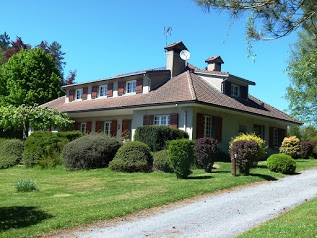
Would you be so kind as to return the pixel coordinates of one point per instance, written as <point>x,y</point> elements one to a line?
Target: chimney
<point>214,63</point>
<point>173,60</point>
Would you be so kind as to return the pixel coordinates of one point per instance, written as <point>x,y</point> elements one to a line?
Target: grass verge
<point>67,199</point>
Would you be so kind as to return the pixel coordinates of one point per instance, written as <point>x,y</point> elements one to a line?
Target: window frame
<point>107,128</point>
<point>235,90</point>
<point>275,137</point>
<point>83,125</point>
<point>261,132</point>
<point>160,119</point>
<point>105,86</point>
<point>80,91</point>
<point>207,126</point>
<point>133,82</point>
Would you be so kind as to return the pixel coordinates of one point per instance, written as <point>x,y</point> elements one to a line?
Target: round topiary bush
<point>89,152</point>
<point>161,161</point>
<point>133,156</point>
<point>281,163</point>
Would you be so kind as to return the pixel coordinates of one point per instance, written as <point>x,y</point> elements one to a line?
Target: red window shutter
<point>174,120</point>
<point>218,128</point>
<point>114,124</point>
<point>71,95</point>
<point>125,125</point>
<point>76,126</point>
<point>139,86</point>
<point>85,93</point>
<point>200,125</point>
<point>121,86</point>
<point>88,127</point>
<point>99,126</point>
<point>110,90</point>
<point>271,137</point>
<point>94,92</point>
<point>147,120</point>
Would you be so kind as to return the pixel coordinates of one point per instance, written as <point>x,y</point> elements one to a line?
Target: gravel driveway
<point>225,214</point>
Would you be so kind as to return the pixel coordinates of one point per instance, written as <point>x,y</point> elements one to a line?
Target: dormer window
<point>235,90</point>
<point>131,86</point>
<point>102,91</point>
<point>79,94</point>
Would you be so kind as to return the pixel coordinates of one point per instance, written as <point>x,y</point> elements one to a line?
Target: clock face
<point>184,54</point>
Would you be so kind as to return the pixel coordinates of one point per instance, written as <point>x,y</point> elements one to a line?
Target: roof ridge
<point>191,85</point>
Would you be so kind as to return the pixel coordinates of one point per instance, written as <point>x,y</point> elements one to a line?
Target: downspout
<point>185,116</point>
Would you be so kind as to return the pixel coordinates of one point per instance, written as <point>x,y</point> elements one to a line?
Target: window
<point>107,128</point>
<point>79,94</point>
<point>208,126</point>
<point>259,130</point>
<point>102,91</point>
<point>162,120</point>
<point>235,90</point>
<point>275,137</point>
<point>83,127</point>
<point>131,86</point>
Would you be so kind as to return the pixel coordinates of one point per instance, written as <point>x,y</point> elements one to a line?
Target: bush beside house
<point>161,161</point>
<point>291,146</point>
<point>281,163</point>
<point>10,152</point>
<point>206,149</point>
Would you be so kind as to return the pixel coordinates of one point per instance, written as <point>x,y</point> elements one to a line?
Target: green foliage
<point>161,161</point>
<point>157,136</point>
<point>281,163</point>
<point>90,152</point>
<point>252,137</point>
<point>39,118</point>
<point>26,185</point>
<point>10,153</point>
<point>30,77</point>
<point>181,155</point>
<point>205,152</point>
<point>245,153</point>
<point>291,146</point>
<point>43,148</point>
<point>133,156</point>
<point>307,149</point>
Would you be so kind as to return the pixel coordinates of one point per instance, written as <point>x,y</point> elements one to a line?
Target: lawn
<point>298,222</point>
<point>67,199</point>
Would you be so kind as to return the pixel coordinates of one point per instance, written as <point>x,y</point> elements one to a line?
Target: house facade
<point>202,102</point>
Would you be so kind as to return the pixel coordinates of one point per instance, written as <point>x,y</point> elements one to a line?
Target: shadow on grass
<point>261,166</point>
<point>200,177</point>
<point>19,217</point>
<point>264,176</point>
<point>221,172</point>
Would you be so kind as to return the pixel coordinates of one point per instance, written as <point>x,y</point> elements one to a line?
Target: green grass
<point>67,199</point>
<point>298,222</point>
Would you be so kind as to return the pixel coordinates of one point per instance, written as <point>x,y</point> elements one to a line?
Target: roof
<point>184,88</point>
<point>214,59</point>
<point>178,46</point>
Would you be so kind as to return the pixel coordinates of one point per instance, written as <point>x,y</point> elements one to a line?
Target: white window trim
<point>81,91</point>
<point>207,133</point>
<point>159,119</point>
<point>109,128</point>
<point>106,89</point>
<point>233,87</point>
<point>81,127</point>
<point>127,83</point>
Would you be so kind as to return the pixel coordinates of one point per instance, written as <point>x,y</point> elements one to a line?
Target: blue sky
<point>105,38</point>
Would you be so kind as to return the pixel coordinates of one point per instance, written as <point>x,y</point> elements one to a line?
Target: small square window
<point>162,120</point>
<point>107,128</point>
<point>131,86</point>
<point>103,91</point>
<point>235,90</point>
<point>79,94</point>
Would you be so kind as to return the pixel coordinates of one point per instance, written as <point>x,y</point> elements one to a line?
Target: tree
<point>267,19</point>
<point>22,117</point>
<point>29,77</point>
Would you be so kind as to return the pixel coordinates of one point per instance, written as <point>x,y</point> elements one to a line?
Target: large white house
<point>202,102</point>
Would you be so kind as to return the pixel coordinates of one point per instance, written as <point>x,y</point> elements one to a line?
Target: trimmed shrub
<point>281,163</point>
<point>70,135</point>
<point>10,153</point>
<point>252,137</point>
<point>291,146</point>
<point>90,152</point>
<point>307,149</point>
<point>157,136</point>
<point>133,156</point>
<point>161,161</point>
<point>181,155</point>
<point>246,153</point>
<point>205,152</point>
